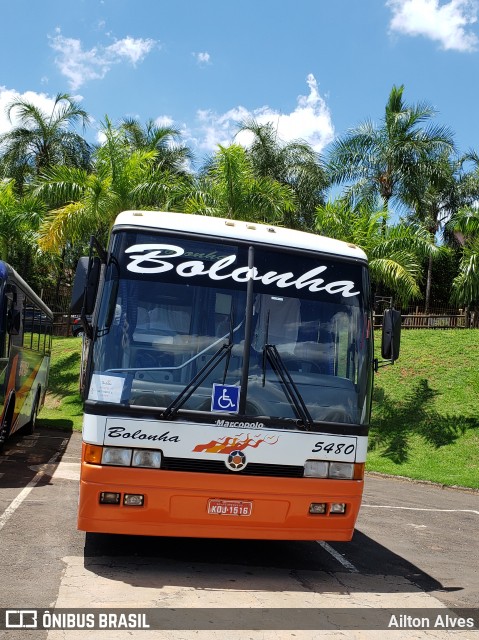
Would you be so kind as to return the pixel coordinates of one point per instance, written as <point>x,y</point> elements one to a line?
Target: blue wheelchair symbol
<point>225,398</point>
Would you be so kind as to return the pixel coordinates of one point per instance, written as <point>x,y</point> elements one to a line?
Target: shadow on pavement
<point>139,561</point>
<point>22,454</point>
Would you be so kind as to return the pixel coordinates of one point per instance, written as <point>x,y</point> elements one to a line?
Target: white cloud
<point>309,121</point>
<point>202,58</point>
<point>133,49</point>
<point>80,66</point>
<point>165,121</point>
<point>7,96</point>
<point>446,23</point>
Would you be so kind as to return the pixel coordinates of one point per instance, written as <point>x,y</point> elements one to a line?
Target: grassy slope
<point>425,412</point>
<point>63,406</point>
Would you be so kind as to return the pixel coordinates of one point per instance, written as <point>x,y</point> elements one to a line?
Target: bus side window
<point>13,316</point>
<point>14,319</point>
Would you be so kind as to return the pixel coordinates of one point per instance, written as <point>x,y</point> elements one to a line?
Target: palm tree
<point>464,227</point>
<point>20,218</point>
<point>441,188</point>
<point>395,253</point>
<point>377,160</point>
<point>172,156</point>
<point>228,187</point>
<point>122,179</point>
<point>294,164</point>
<point>42,140</point>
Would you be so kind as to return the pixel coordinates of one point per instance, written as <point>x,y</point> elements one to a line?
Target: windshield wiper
<point>230,345</point>
<point>295,399</point>
<point>223,352</point>
<point>270,353</point>
<point>195,382</point>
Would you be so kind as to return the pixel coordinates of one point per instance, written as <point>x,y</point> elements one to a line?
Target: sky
<point>314,68</point>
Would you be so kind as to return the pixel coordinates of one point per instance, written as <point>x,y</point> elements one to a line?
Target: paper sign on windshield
<point>106,388</point>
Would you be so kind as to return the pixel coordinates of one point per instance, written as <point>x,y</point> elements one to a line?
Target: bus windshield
<point>184,322</point>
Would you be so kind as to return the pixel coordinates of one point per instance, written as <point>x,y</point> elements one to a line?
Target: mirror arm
<point>378,364</point>
<point>99,249</point>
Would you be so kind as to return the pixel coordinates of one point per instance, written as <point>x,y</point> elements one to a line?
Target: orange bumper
<point>176,504</point>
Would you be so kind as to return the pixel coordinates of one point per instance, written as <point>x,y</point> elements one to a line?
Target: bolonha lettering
<point>153,258</point>
<point>121,432</point>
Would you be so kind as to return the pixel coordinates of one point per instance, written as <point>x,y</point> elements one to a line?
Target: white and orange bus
<point>227,380</point>
<point>26,325</point>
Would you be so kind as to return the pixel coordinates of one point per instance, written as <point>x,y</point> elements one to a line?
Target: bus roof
<point>238,230</point>
<point>8,272</point>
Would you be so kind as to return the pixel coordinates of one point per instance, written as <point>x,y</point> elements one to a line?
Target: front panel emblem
<point>236,461</point>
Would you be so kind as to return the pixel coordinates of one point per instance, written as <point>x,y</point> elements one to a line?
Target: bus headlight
<point>316,469</point>
<point>341,470</point>
<point>147,458</point>
<point>333,470</point>
<point>117,456</point>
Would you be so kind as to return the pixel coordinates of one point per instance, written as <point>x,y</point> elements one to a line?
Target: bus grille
<point>217,466</point>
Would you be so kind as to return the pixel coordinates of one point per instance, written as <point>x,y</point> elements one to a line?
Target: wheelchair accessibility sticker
<point>225,398</point>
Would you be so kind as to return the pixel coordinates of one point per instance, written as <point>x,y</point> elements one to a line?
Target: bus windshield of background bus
<point>177,301</point>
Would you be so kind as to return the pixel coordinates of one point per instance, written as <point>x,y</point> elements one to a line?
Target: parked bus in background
<point>26,327</point>
<point>227,380</point>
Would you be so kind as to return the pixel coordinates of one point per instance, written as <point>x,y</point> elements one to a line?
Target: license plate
<point>230,507</point>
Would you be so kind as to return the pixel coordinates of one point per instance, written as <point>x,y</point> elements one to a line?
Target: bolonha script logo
<point>155,258</point>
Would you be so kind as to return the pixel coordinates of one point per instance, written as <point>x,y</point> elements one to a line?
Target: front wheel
<point>4,430</point>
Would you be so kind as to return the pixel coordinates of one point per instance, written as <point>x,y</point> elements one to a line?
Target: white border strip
<point>13,506</point>
<point>337,556</point>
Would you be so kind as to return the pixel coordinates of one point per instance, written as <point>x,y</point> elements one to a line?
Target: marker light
<point>133,500</point>
<point>109,497</point>
<point>317,508</point>
<point>147,458</point>
<point>117,456</point>
<point>338,507</point>
<point>93,453</point>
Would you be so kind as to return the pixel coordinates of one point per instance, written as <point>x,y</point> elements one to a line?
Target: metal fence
<point>435,318</point>
<point>58,300</point>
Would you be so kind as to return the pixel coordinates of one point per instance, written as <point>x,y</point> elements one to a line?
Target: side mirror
<point>85,285</point>
<point>391,336</point>
<point>78,290</point>
<point>92,285</point>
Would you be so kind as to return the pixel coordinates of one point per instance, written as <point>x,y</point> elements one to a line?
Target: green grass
<point>63,405</point>
<point>425,412</point>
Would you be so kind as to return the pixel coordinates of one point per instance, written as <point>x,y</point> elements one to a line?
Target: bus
<point>227,380</point>
<point>26,328</point>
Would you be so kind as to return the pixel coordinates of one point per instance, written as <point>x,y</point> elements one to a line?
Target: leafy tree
<point>294,164</point>
<point>42,140</point>
<point>440,188</point>
<point>20,218</point>
<point>228,187</point>
<point>171,155</point>
<point>464,227</point>
<point>122,179</point>
<point>379,160</point>
<point>395,253</point>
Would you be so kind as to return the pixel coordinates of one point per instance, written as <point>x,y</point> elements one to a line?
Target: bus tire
<point>5,425</point>
<point>29,428</point>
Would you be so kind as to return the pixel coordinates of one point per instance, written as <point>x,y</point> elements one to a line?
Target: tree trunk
<point>428,284</point>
